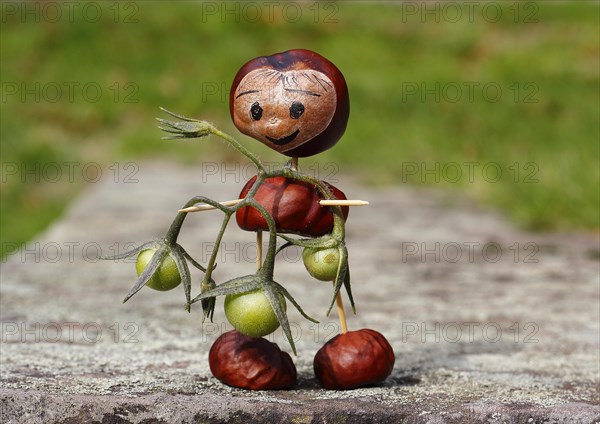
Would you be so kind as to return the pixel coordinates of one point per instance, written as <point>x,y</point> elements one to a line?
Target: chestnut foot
<point>251,363</point>
<point>354,359</point>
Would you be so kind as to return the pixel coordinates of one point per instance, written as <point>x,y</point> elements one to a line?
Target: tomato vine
<point>263,278</point>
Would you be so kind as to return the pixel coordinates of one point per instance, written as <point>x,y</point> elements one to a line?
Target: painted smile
<point>284,140</point>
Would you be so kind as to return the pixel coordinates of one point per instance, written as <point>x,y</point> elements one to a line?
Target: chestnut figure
<point>293,204</point>
<point>295,102</point>
<point>354,359</point>
<point>251,363</point>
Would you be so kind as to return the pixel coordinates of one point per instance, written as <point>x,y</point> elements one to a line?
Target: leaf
<point>324,241</point>
<point>349,290</point>
<point>192,260</point>
<point>287,294</point>
<point>178,116</point>
<point>237,285</point>
<point>184,273</point>
<point>341,275</point>
<point>276,303</point>
<point>150,270</point>
<point>186,128</point>
<point>130,252</point>
<point>208,304</point>
<point>208,308</point>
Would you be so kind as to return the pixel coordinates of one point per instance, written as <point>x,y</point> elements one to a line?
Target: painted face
<point>291,102</point>
<point>284,109</point>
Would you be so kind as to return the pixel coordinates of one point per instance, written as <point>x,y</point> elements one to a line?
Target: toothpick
<point>336,202</point>
<point>341,312</point>
<point>209,207</point>
<point>332,202</point>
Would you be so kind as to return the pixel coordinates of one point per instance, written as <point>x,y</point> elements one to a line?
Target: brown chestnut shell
<point>251,363</point>
<point>354,359</point>
<point>293,204</point>
<point>289,65</point>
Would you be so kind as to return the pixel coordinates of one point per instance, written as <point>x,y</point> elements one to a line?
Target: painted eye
<point>296,110</point>
<point>256,111</point>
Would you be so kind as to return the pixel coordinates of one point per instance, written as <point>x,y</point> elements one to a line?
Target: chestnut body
<point>354,359</point>
<point>251,363</point>
<point>293,204</point>
<point>295,102</point>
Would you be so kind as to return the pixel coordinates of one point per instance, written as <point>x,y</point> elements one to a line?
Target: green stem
<point>175,228</point>
<point>236,145</point>
<point>193,128</point>
<point>173,231</point>
<point>213,256</point>
<point>256,186</point>
<point>269,262</point>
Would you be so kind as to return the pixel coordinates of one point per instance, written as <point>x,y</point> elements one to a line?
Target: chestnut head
<point>295,102</point>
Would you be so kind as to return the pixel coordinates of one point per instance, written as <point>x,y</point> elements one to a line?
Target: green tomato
<point>251,313</point>
<point>321,263</point>
<point>166,276</point>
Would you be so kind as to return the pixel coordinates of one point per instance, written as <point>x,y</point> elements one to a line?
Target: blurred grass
<point>541,129</point>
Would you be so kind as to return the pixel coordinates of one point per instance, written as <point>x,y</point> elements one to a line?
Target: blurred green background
<point>498,101</point>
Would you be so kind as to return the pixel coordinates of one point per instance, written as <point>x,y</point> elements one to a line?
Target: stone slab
<point>481,334</point>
